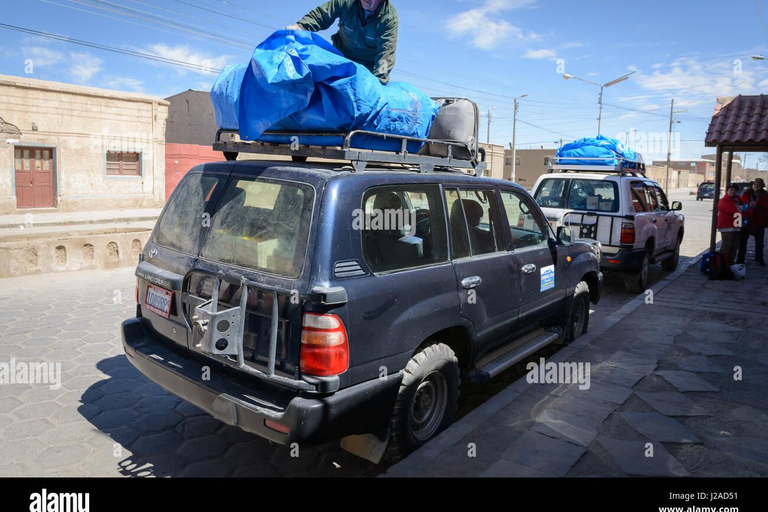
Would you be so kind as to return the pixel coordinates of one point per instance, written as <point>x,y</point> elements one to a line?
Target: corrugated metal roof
<point>739,120</point>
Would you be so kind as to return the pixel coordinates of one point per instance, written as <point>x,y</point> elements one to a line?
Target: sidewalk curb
<point>104,220</point>
<point>411,465</point>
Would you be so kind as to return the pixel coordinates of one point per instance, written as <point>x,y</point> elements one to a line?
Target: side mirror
<point>677,206</point>
<point>565,235</point>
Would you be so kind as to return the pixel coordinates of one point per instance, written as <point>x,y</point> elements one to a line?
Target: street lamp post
<point>568,76</point>
<point>514,133</point>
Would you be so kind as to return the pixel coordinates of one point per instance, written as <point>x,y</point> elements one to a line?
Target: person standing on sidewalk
<point>757,199</point>
<point>729,222</point>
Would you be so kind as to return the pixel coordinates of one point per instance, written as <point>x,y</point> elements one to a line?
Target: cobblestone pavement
<point>677,389</point>
<point>107,419</point>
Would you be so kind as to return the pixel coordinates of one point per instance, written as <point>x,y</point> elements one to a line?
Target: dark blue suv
<point>309,302</point>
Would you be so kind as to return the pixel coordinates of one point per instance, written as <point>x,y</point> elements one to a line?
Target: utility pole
<point>488,134</point>
<point>514,133</point>
<point>669,144</point>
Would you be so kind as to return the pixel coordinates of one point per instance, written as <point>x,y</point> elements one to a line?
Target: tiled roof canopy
<point>739,121</point>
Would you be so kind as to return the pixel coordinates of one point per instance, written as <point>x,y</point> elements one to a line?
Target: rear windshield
<point>707,186</point>
<point>579,194</point>
<point>179,227</point>
<point>262,225</point>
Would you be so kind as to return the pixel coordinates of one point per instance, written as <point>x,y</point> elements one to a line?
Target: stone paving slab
<point>566,426</point>
<point>632,362</point>
<point>685,381</point>
<point>658,427</point>
<point>751,448</point>
<point>706,349</point>
<point>504,468</point>
<point>616,376</point>
<point>671,403</point>
<point>554,457</point>
<point>631,457</point>
<point>700,364</point>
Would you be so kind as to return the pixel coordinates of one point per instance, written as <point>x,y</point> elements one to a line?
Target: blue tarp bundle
<point>298,82</point>
<point>600,150</point>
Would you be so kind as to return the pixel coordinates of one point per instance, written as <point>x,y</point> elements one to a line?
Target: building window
<point>508,161</point>
<point>123,164</point>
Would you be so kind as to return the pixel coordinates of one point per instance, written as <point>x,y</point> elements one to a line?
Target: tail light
<point>137,290</point>
<point>627,233</point>
<point>324,345</point>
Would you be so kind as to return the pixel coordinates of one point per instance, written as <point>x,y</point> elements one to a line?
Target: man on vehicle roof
<point>367,31</point>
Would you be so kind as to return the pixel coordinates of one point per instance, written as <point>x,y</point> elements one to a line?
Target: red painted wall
<point>180,158</point>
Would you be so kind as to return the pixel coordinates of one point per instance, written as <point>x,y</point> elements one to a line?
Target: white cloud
<point>83,66</point>
<point>41,56</point>
<point>122,83</point>
<point>540,54</point>
<point>572,45</point>
<point>695,81</point>
<point>483,26</point>
<point>208,64</point>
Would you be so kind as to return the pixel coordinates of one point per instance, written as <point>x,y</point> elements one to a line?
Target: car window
<point>653,201</point>
<point>593,195</point>
<point>474,220</point>
<point>402,227</point>
<point>639,197</point>
<point>526,227</point>
<point>180,225</point>
<point>262,225</point>
<point>551,193</point>
<point>662,198</point>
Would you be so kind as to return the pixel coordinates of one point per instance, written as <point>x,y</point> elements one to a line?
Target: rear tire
<point>670,264</point>
<point>230,155</point>
<point>578,316</point>
<point>636,282</point>
<point>297,158</point>
<point>426,402</point>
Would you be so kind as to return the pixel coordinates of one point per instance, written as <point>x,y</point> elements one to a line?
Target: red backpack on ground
<point>719,267</point>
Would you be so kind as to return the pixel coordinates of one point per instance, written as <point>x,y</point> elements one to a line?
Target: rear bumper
<point>625,259</point>
<point>247,402</point>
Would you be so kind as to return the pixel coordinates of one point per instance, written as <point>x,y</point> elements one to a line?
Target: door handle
<point>471,282</point>
<point>529,269</point>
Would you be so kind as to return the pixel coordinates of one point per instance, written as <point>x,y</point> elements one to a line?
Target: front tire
<point>578,316</point>
<point>426,402</point>
<point>670,264</point>
<point>636,282</point>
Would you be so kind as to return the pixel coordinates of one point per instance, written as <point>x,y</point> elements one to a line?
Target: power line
<point>143,55</point>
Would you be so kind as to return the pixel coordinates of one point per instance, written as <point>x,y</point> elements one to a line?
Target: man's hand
<point>293,27</point>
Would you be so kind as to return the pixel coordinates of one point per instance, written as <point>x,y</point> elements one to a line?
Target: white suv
<point>622,209</point>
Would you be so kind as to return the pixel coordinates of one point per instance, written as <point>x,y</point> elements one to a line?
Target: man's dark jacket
<point>370,42</point>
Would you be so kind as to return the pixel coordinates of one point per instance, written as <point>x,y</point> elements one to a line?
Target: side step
<point>502,358</point>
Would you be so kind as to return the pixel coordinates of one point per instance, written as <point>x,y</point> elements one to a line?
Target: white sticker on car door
<point>547,278</point>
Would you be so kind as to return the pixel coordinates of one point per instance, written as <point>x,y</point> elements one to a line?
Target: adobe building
<point>73,148</point>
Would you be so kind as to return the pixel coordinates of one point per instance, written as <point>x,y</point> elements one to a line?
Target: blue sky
<point>487,50</point>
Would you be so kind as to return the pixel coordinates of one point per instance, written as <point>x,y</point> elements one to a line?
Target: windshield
<point>707,186</point>
<point>579,194</point>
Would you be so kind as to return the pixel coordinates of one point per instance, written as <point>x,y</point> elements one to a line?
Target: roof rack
<point>624,167</point>
<point>229,142</point>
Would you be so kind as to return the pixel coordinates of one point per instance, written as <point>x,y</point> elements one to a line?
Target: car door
<point>658,216</point>
<point>542,270</point>
<point>487,274</point>
<point>644,215</point>
<point>670,219</point>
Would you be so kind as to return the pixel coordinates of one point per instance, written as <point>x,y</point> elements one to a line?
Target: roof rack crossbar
<point>229,141</point>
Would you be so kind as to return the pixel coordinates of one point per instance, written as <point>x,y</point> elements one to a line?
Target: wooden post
<point>718,178</point>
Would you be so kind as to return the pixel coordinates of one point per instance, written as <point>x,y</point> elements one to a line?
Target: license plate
<point>159,300</point>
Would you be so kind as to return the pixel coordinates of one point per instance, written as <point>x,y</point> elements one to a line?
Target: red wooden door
<point>34,177</point>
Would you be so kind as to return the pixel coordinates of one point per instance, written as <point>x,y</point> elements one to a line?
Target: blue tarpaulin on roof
<point>298,82</point>
<point>600,150</point>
